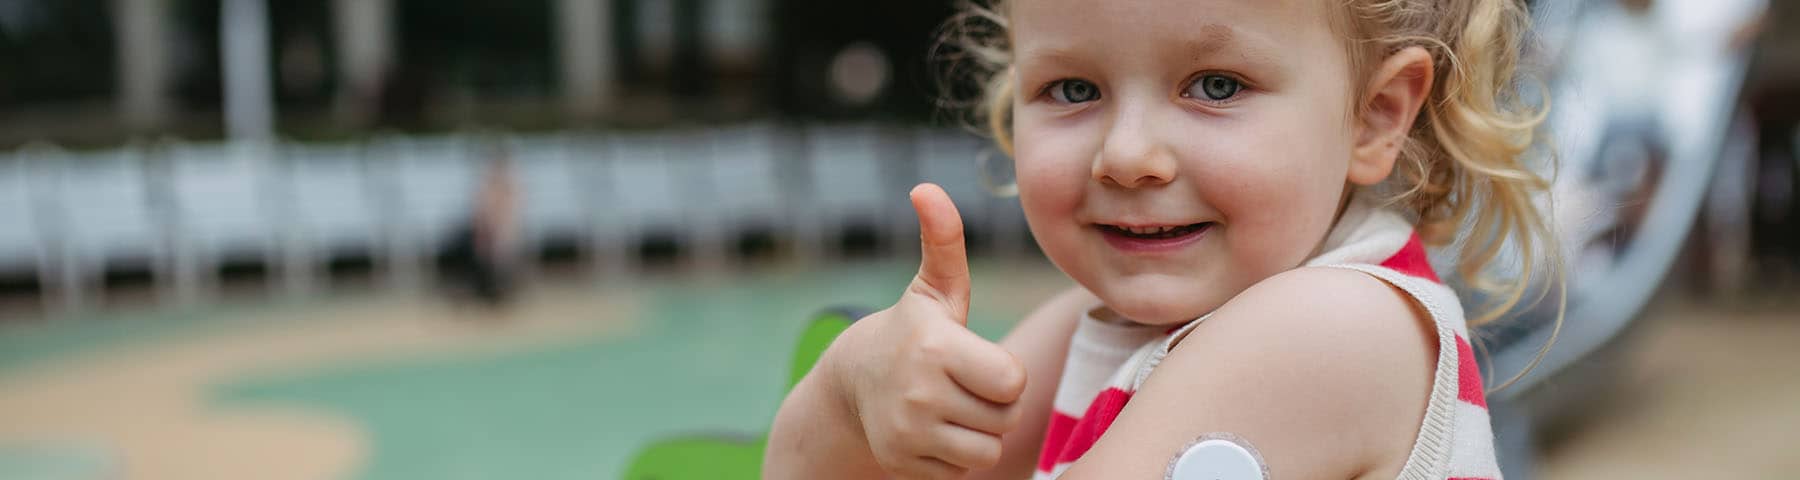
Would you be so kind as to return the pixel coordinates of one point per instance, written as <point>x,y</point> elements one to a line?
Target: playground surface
<point>576,379</point>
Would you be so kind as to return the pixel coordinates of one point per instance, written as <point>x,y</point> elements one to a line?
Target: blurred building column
<point>244,45</point>
<point>365,45</point>
<point>140,28</point>
<point>587,56</point>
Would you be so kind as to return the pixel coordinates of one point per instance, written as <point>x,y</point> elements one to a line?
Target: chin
<point>1159,301</point>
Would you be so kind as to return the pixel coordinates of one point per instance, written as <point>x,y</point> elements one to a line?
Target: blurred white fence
<point>181,211</point>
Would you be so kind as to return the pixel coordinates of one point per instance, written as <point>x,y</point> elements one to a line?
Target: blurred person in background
<point>478,264</point>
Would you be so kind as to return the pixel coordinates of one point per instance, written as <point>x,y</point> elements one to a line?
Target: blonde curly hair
<point>1463,166</point>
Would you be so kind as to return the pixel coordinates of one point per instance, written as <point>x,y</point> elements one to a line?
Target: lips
<point>1153,238</point>
<point>1153,232</point>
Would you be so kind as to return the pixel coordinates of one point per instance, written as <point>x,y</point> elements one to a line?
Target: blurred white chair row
<point>180,211</point>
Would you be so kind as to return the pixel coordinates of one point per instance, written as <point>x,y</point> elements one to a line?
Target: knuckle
<point>923,288</point>
<point>986,454</point>
<point>917,400</point>
<point>932,347</point>
<point>906,432</point>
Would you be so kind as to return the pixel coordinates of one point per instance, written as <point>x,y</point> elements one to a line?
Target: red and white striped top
<point>1108,361</point>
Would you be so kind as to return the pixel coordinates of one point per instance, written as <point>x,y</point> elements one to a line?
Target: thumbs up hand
<point>932,397</point>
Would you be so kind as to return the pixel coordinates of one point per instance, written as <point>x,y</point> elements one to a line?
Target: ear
<point>1399,86</point>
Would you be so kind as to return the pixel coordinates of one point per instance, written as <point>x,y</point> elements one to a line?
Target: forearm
<point>816,436</point>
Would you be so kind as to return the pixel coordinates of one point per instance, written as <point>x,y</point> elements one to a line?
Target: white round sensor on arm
<point>1218,456</point>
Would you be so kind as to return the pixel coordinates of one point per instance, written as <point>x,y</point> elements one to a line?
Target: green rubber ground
<point>699,377</point>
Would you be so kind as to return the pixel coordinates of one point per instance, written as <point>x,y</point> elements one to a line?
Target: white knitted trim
<point>1430,457</point>
<point>1161,351</point>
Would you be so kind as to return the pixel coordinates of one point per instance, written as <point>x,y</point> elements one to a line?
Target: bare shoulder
<point>1326,371</point>
<point>1355,350</point>
<point>1339,330</point>
<point>1329,310</point>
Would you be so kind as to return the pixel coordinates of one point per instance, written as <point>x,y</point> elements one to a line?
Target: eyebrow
<point>1058,55</point>
<point>1213,39</point>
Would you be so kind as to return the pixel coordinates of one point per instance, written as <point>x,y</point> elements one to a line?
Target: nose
<point>1133,155</point>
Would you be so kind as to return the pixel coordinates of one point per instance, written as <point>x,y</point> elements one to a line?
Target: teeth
<point>1148,230</point>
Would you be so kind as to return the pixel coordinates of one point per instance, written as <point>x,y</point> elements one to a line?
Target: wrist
<point>817,432</point>
<point>834,383</point>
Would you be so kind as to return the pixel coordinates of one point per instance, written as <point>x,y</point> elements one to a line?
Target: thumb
<point>943,263</point>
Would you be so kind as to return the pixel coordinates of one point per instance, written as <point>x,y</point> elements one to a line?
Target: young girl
<point>1242,190</point>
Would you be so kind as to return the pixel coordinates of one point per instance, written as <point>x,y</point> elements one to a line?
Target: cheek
<point>1278,196</point>
<point>1051,166</point>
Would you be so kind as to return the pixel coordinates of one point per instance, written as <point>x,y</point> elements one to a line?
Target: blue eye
<point>1074,91</point>
<point>1214,88</point>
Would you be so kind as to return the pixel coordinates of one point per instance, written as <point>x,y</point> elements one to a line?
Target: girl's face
<point>1171,153</point>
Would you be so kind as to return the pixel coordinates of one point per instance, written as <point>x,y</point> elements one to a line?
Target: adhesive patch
<point>1218,456</point>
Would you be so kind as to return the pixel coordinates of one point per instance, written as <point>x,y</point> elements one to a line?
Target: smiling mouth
<point>1155,233</point>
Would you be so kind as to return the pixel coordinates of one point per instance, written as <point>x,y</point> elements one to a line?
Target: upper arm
<point>1325,371</point>
<point>1041,343</point>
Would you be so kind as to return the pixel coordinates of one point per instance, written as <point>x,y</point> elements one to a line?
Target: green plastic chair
<point>728,456</point>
